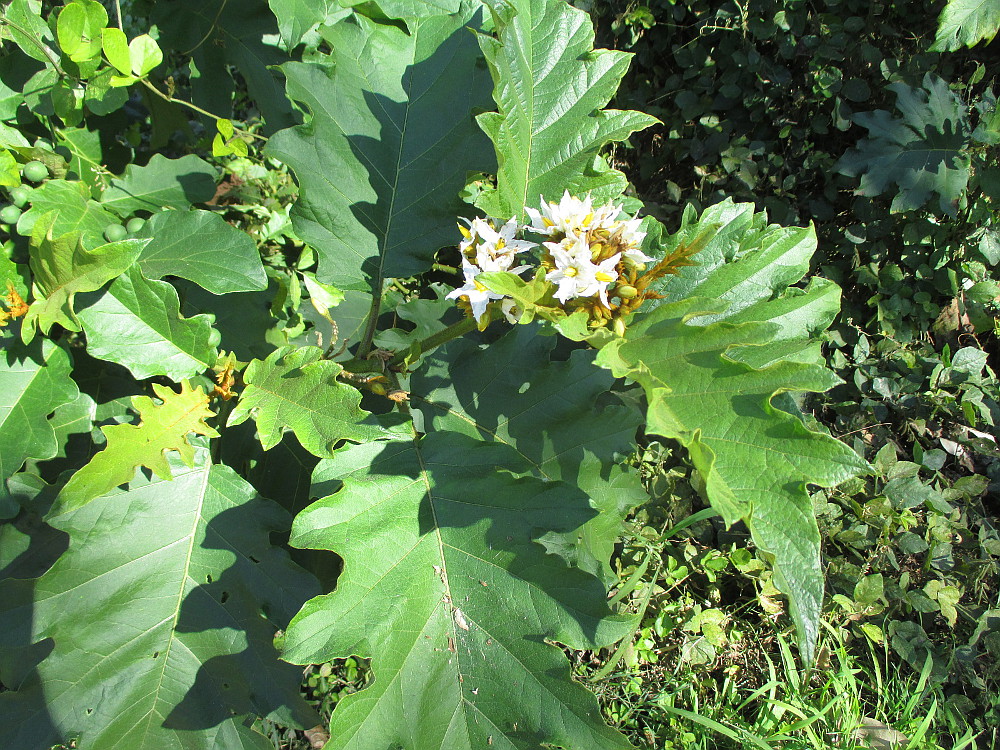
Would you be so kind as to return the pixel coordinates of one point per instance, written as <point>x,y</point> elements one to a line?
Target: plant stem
<point>370,324</point>
<point>462,327</point>
<point>196,108</point>
<point>118,9</point>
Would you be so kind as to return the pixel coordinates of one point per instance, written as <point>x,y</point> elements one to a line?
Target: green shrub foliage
<point>195,369</point>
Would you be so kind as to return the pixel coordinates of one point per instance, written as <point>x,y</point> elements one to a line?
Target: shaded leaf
<point>447,591</point>
<point>136,323</point>
<point>163,427</point>
<point>918,154</point>
<point>390,142</point>
<point>550,123</point>
<point>558,415</point>
<point>176,575</point>
<point>202,247</point>
<point>162,183</point>
<point>225,38</point>
<point>296,389</point>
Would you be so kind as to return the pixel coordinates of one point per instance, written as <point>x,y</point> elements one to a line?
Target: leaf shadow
<point>489,512</point>
<point>418,179</point>
<point>252,599</point>
<point>514,392</point>
<point>25,718</point>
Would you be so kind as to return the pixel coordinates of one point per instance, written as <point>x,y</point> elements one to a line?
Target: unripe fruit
<point>19,195</point>
<point>115,232</point>
<point>10,215</point>
<point>134,225</point>
<point>34,171</point>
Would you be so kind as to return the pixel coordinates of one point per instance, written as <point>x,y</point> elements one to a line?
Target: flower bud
<point>626,291</point>
<point>618,326</point>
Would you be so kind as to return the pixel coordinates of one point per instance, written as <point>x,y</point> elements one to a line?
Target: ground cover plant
<point>336,343</point>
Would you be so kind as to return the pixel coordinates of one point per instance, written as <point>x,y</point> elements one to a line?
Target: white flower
<point>477,294</point>
<point>604,273</point>
<point>511,310</point>
<point>570,216</point>
<point>490,244</point>
<point>574,271</point>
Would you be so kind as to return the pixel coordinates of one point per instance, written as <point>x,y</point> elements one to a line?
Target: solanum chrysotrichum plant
<point>156,414</point>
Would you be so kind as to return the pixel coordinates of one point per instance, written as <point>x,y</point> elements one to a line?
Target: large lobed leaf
<point>137,323</point>
<point>966,23</point>
<point>918,154</point>
<point>162,183</point>
<point>446,589</point>
<point>164,427</point>
<point>713,366</point>
<point>201,247</point>
<point>550,89</point>
<point>296,389</point>
<point>558,415</point>
<point>389,144</point>
<point>157,622</point>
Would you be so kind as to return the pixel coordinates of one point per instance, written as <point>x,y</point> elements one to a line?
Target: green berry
<point>134,225</point>
<point>19,195</point>
<point>10,215</point>
<point>115,232</point>
<point>34,171</point>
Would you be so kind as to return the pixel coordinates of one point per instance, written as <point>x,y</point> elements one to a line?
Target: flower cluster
<point>487,248</point>
<point>589,249</point>
<point>591,258</point>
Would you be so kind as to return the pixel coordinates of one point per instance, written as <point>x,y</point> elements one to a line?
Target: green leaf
<point>186,594</point>
<point>136,323</point>
<point>389,145</point>
<point>62,267</point>
<point>712,367</point>
<point>79,29</point>
<point>752,266</point>
<point>10,175</point>
<point>915,156</point>
<point>297,17</point>
<point>558,415</point>
<point>409,9</point>
<point>144,54</point>
<point>202,247</point>
<point>296,389</point>
<point>446,589</point>
<point>115,45</point>
<point>162,183</point>
<point>164,426</point>
<point>966,23</point>
<point>26,14</point>
<point>34,382</point>
<point>86,157</point>
<point>74,210</point>
<point>551,88</point>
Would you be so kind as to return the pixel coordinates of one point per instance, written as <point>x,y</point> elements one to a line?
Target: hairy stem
<point>370,324</point>
<point>462,327</point>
